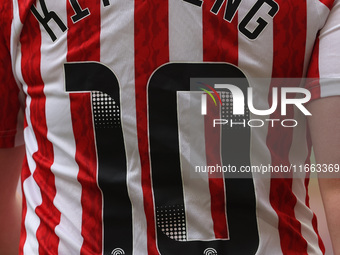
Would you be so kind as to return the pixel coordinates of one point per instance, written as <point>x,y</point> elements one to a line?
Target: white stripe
<point>256,59</point>
<point>14,51</point>
<point>117,52</point>
<point>30,188</point>
<point>299,151</point>
<point>185,32</point>
<point>32,221</point>
<point>64,167</point>
<point>196,191</point>
<point>186,44</point>
<point>31,142</point>
<point>313,26</point>
<point>16,62</point>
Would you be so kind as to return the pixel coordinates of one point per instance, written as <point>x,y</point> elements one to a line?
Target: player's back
<point>120,154</point>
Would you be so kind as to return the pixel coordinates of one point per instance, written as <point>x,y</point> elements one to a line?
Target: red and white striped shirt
<point>100,89</point>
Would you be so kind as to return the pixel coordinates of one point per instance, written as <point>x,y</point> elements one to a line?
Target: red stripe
<point>151,51</point>
<point>8,88</point>
<point>215,92</point>
<point>328,3</point>
<point>24,8</point>
<point>216,179</point>
<point>313,82</point>
<point>220,38</point>
<point>288,61</point>
<point>81,112</point>
<point>220,43</point>
<point>315,227</point>
<point>30,67</point>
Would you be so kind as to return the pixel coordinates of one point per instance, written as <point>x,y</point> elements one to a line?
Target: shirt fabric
<point>99,92</point>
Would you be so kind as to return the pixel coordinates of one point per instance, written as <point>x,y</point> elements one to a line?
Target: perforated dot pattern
<point>171,220</point>
<point>227,112</point>
<point>105,110</point>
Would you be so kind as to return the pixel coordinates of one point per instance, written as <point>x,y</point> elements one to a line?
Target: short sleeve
<point>324,69</point>
<point>11,116</point>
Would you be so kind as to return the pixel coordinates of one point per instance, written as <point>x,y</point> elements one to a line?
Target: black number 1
<point>112,168</point>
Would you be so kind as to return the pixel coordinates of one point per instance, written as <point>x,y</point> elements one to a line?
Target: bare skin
<point>10,201</point>
<point>325,130</point>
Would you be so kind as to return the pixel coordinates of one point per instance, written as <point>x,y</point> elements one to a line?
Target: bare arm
<point>10,203</point>
<point>325,131</point>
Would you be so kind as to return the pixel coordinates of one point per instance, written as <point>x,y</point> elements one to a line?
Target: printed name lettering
<point>44,16</point>
<point>47,15</point>
<point>231,9</point>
